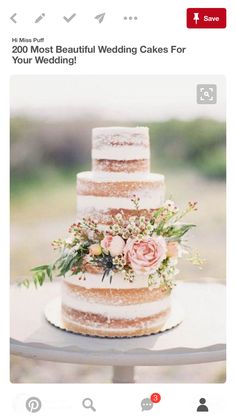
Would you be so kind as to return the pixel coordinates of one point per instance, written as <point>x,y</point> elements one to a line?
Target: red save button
<point>206,18</point>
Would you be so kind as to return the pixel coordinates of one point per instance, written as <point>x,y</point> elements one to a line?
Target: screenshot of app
<point>116,117</point>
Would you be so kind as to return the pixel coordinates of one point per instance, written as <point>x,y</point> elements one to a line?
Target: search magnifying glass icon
<point>206,94</point>
<point>88,404</point>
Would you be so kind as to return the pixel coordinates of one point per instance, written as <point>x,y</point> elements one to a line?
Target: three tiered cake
<point>120,172</point>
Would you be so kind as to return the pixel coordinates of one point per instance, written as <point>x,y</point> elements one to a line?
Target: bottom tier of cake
<point>120,309</point>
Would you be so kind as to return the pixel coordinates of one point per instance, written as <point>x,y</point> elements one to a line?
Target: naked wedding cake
<point>121,170</point>
<point>119,263</point>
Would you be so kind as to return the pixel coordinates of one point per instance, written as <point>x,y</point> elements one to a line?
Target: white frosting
<point>118,138</point>
<point>131,311</point>
<point>110,131</point>
<point>103,203</point>
<point>121,176</point>
<point>102,177</point>
<point>118,282</point>
<point>121,152</point>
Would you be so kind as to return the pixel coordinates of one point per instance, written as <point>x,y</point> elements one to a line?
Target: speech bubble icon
<point>146,404</point>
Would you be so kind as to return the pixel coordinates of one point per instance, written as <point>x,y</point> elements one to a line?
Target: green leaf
<point>35,282</point>
<point>176,232</point>
<point>60,262</point>
<point>41,277</point>
<point>39,268</point>
<point>158,212</point>
<point>66,265</point>
<point>25,283</point>
<point>49,272</point>
<point>160,228</point>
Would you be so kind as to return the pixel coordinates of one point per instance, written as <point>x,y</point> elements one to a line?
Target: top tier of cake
<point>120,171</point>
<point>120,150</point>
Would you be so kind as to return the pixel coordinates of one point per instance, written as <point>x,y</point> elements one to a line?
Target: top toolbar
<point>196,18</point>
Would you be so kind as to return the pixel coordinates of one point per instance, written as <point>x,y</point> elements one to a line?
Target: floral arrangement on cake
<point>148,245</point>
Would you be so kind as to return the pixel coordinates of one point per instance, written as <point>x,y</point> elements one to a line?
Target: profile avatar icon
<point>202,407</point>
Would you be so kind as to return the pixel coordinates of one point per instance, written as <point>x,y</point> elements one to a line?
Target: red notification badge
<point>206,18</point>
<point>155,398</point>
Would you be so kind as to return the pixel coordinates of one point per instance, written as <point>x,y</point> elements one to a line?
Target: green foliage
<point>214,165</point>
<point>68,261</point>
<point>66,145</point>
<point>40,274</point>
<point>198,143</point>
<point>87,240</point>
<point>176,232</point>
<point>65,263</point>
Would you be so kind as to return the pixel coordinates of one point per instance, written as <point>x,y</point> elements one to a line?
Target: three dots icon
<point>130,18</point>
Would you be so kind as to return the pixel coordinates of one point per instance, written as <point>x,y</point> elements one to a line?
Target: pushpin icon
<point>196,17</point>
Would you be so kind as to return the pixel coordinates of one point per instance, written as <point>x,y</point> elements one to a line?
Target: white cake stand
<point>199,338</point>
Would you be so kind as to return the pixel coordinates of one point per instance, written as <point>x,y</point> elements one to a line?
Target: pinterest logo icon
<point>33,404</point>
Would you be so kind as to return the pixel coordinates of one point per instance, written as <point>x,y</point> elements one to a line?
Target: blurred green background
<point>46,153</point>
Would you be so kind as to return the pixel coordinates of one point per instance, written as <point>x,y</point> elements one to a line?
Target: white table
<point>199,338</point>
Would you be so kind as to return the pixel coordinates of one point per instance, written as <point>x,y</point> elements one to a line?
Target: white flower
<point>113,244</point>
<point>117,245</point>
<point>69,240</point>
<point>171,206</point>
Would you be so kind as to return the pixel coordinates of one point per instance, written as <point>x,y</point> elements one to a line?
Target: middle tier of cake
<point>102,197</point>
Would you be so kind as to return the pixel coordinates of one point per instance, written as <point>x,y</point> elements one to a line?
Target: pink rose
<point>113,245</point>
<point>146,254</point>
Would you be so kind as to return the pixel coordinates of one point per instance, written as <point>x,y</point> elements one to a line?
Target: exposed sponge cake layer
<point>103,198</point>
<point>121,149</point>
<point>121,166</point>
<point>146,187</point>
<point>103,326</point>
<point>92,307</point>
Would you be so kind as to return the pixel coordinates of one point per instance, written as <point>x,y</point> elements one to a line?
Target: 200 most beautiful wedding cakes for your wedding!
<point>124,293</point>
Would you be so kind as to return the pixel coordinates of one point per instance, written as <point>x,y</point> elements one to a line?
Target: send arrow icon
<point>100,17</point>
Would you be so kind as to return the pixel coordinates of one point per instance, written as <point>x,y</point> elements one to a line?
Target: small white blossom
<point>118,216</point>
<point>69,240</point>
<point>171,206</point>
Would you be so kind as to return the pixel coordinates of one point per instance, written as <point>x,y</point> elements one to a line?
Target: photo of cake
<point>119,264</point>
<point>117,229</point>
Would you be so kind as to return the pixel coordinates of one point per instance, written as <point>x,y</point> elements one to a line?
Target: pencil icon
<point>39,18</point>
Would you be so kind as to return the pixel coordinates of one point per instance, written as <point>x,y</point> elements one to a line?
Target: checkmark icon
<point>68,19</point>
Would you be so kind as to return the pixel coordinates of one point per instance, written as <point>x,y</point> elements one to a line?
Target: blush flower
<point>145,255</point>
<point>113,245</point>
<point>173,250</point>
